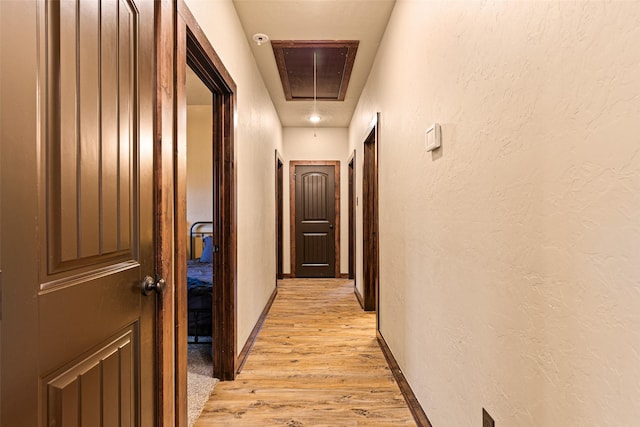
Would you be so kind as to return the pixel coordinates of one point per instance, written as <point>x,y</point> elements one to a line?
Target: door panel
<point>91,170</point>
<point>96,390</point>
<point>315,212</point>
<point>78,238</point>
<point>315,249</point>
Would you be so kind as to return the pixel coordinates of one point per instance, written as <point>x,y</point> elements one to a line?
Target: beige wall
<point>199,166</point>
<point>509,258</point>
<point>258,134</point>
<point>317,144</point>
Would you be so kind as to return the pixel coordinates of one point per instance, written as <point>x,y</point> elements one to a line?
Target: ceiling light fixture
<point>314,118</point>
<point>260,38</point>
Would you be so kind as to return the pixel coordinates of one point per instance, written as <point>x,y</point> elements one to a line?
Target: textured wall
<point>199,166</point>
<point>258,134</point>
<point>317,144</point>
<point>510,273</point>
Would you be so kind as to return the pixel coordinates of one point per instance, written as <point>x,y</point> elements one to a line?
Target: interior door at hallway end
<point>316,219</point>
<point>77,213</point>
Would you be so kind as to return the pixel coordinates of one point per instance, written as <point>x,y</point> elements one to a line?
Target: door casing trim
<point>164,184</point>
<point>194,49</point>
<point>292,209</point>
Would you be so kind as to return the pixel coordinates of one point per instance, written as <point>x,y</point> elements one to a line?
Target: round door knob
<point>149,286</point>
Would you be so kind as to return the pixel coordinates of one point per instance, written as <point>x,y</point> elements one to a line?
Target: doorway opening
<point>315,218</point>
<point>370,220</point>
<point>351,167</point>
<point>213,191</point>
<point>279,216</point>
<point>199,260</point>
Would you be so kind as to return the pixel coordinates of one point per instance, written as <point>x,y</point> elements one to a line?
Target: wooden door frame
<point>292,208</point>
<point>370,246</point>
<point>351,162</point>
<point>279,169</point>
<point>164,215</point>
<point>193,49</point>
<point>353,206</point>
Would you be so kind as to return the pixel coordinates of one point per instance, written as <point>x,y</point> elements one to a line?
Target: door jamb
<point>292,209</point>
<point>164,128</point>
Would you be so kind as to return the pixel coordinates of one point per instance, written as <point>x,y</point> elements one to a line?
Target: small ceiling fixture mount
<point>260,38</point>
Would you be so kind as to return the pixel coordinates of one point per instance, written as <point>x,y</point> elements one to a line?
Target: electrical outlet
<point>487,421</point>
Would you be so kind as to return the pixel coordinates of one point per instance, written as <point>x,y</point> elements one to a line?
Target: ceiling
<point>362,20</point>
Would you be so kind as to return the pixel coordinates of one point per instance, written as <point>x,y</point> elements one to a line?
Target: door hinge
<point>216,249</point>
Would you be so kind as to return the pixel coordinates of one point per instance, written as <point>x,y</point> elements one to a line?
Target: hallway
<point>315,362</point>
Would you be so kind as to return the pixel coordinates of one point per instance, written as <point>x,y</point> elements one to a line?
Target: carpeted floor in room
<point>200,383</point>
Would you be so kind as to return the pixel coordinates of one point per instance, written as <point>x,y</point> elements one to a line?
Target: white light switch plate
<point>432,137</point>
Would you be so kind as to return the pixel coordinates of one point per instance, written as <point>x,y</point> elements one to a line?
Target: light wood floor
<point>316,362</point>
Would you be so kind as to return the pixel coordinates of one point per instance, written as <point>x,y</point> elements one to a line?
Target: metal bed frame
<point>193,232</point>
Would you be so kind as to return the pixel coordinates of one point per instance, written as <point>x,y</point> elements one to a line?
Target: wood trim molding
<point>164,42</point>
<point>242,357</point>
<point>292,209</point>
<point>418,413</point>
<point>180,249</point>
<point>358,296</point>
<point>287,276</point>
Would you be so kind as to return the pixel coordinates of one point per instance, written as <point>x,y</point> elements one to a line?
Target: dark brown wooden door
<point>370,222</point>
<point>77,213</point>
<point>315,188</point>
<point>352,216</point>
<point>279,216</point>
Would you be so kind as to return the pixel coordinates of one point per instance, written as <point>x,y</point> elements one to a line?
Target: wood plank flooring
<point>316,362</point>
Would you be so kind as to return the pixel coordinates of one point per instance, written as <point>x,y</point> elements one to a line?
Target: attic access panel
<point>334,62</point>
